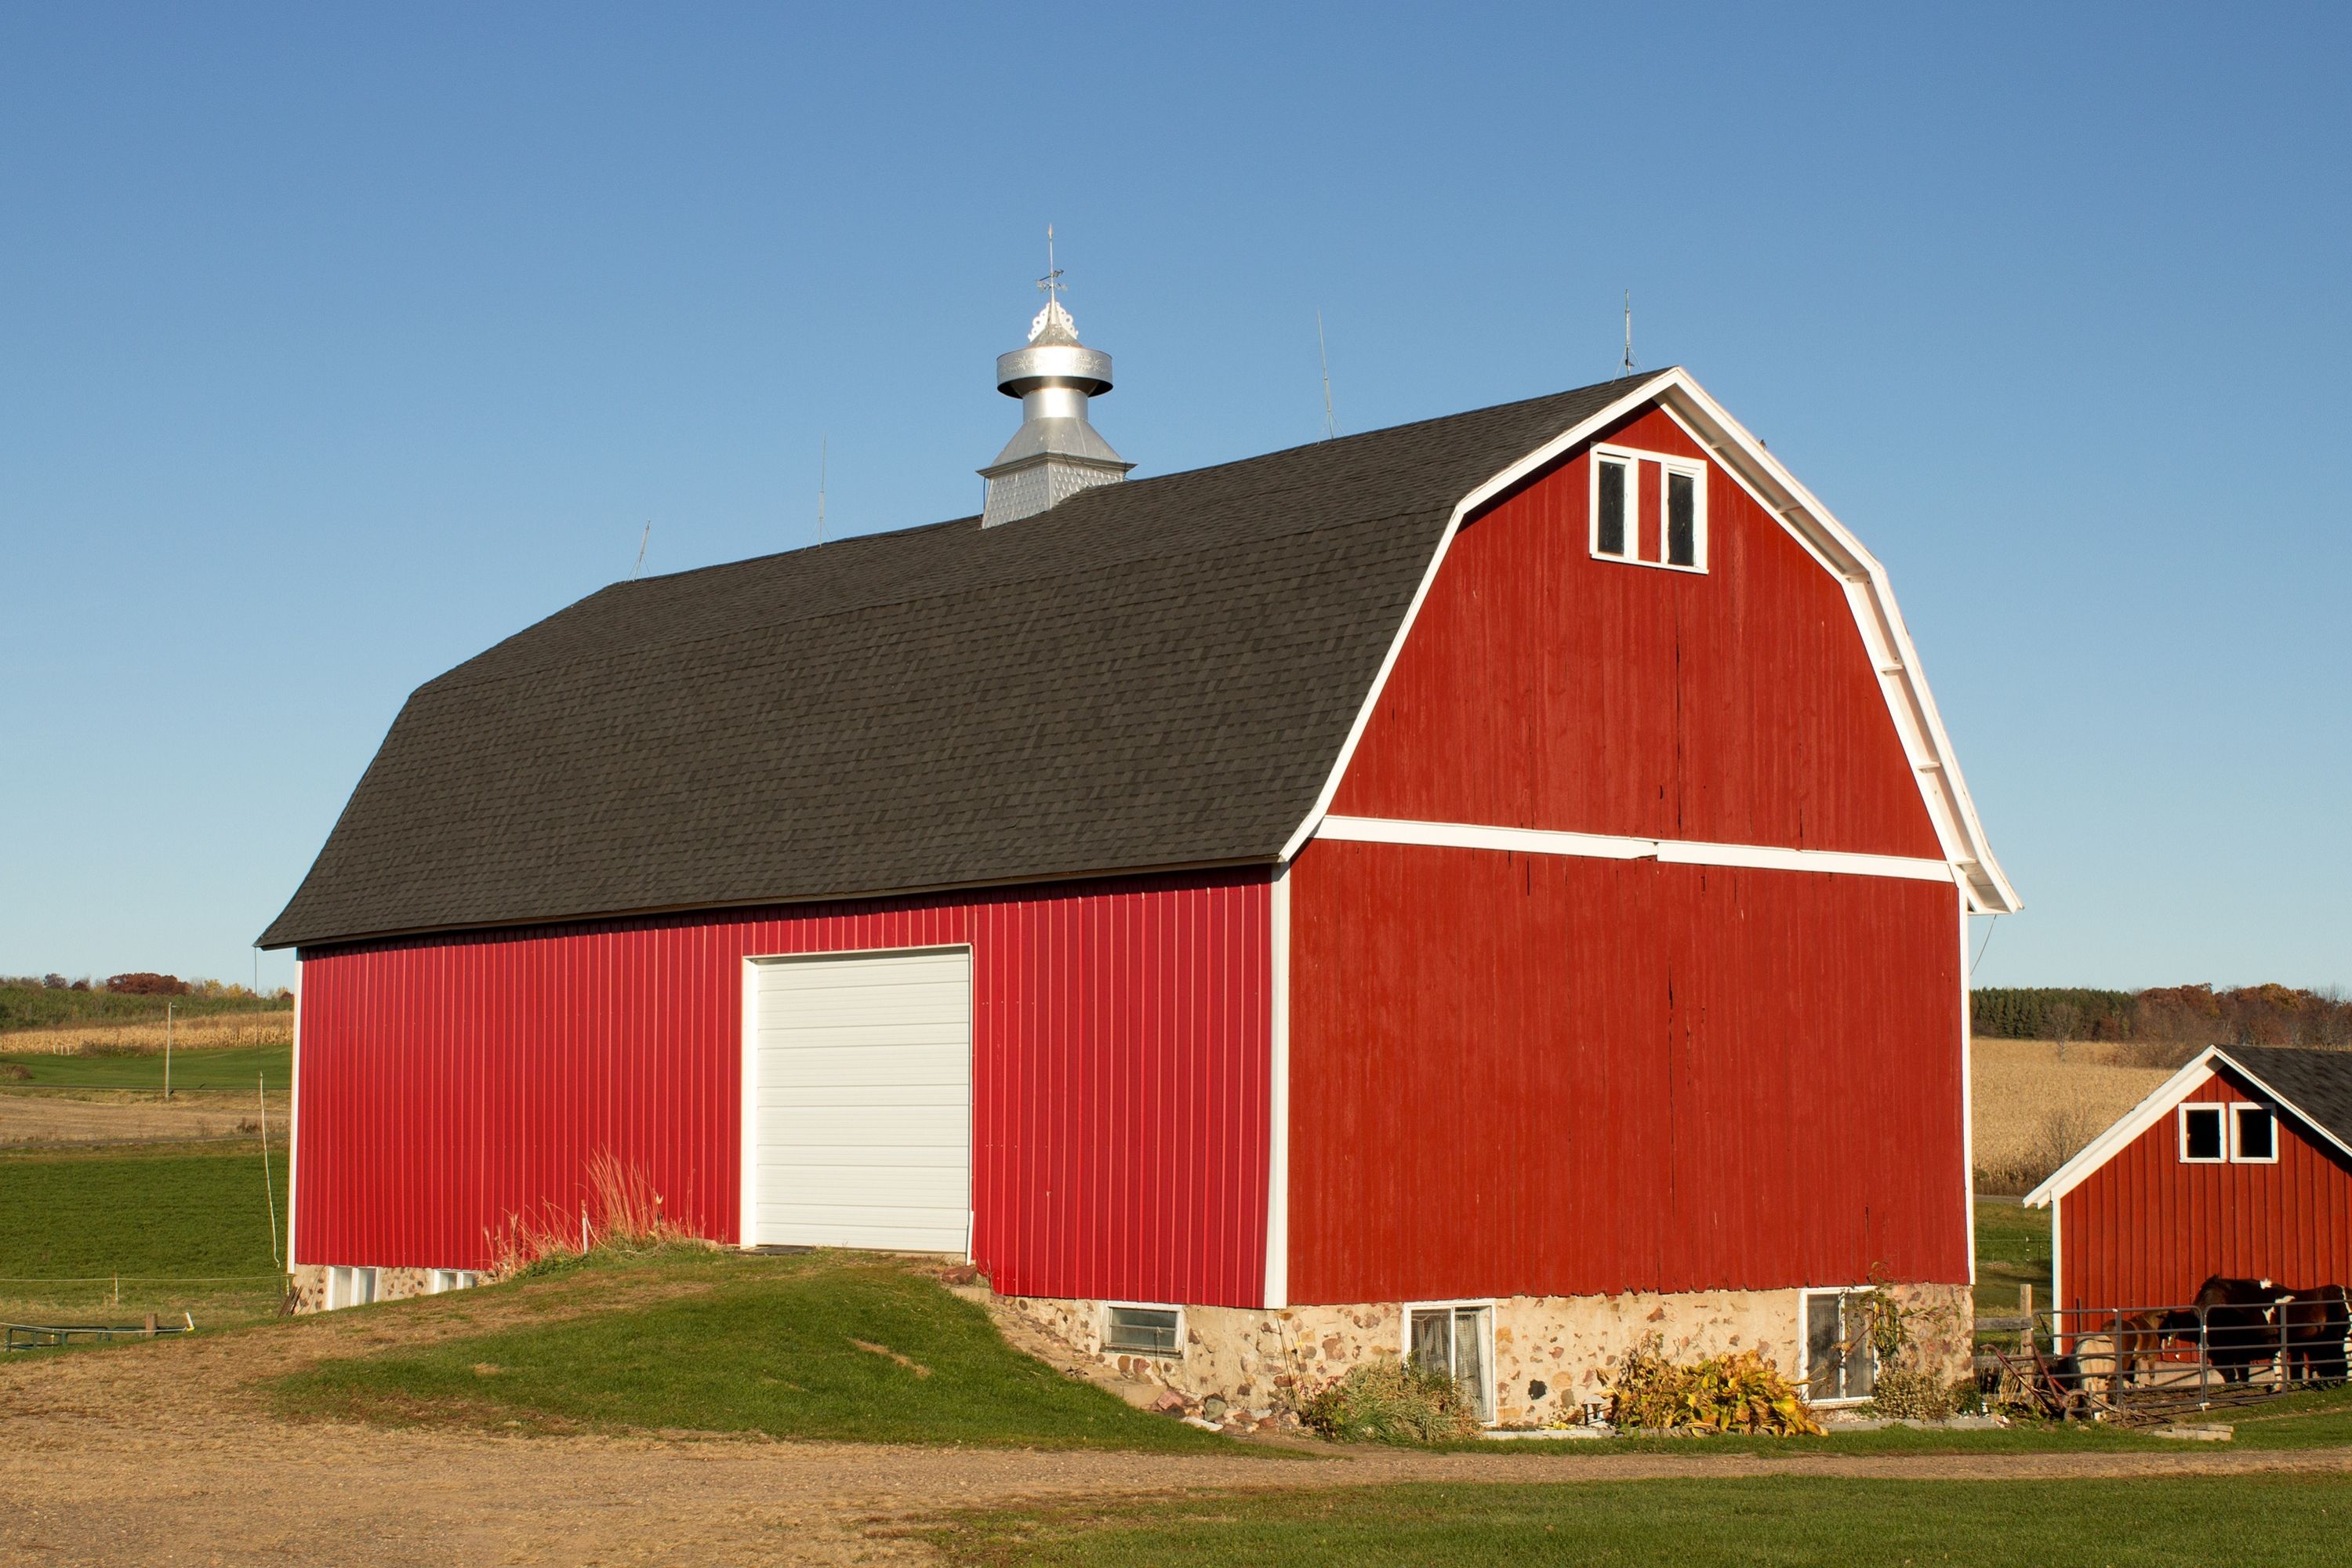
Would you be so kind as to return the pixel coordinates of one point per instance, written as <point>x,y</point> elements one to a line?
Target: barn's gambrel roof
<point>1162,673</point>
<point>2314,1087</point>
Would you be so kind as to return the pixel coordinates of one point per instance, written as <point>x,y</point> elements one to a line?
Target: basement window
<point>350,1287</point>
<point>1839,1362</point>
<point>1624,481</point>
<point>2200,1135</point>
<point>1453,1337</point>
<point>2253,1135</point>
<point>1143,1330</point>
<point>440,1280</point>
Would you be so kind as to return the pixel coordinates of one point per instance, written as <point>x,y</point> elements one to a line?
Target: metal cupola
<point>1055,453</point>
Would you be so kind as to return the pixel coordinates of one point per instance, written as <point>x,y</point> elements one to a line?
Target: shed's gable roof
<point>2314,1087</point>
<point>1167,672</point>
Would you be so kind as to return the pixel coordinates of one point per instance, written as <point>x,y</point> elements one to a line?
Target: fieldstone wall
<point>1552,1353</point>
<point>308,1284</point>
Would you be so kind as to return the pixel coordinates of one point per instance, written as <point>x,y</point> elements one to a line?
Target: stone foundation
<point>308,1284</point>
<point>1551,1353</point>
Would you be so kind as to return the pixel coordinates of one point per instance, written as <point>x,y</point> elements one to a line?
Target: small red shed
<point>2238,1165</point>
<point>1433,892</point>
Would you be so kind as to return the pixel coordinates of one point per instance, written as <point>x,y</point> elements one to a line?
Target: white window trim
<point>1805,1344</point>
<point>441,1281</point>
<point>1668,463</point>
<point>2180,1119</point>
<point>2238,1159</point>
<point>343,1286</point>
<point>1103,1329</point>
<point>1484,1307</point>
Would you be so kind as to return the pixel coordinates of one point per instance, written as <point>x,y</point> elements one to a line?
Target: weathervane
<point>1055,316</point>
<point>1052,283</point>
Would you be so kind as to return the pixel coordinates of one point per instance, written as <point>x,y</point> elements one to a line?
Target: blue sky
<point>337,344</point>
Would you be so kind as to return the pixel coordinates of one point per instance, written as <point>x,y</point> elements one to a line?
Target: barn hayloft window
<point>2202,1135</point>
<point>1649,509</point>
<point>1839,1362</point>
<point>2253,1135</point>
<point>1143,1330</point>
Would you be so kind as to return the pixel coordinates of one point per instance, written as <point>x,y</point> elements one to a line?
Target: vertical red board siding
<point>451,1085</point>
<point>1542,688</point>
<point>1547,1075</point>
<point>2147,1228</point>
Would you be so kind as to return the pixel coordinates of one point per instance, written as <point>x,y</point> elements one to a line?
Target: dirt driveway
<point>166,1454</point>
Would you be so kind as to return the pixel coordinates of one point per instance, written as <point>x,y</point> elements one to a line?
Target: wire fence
<point>2143,1365</point>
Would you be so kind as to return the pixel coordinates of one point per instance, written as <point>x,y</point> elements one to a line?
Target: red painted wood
<point>1545,1075</point>
<point>1542,688</point>
<point>1120,1038</point>
<point>2146,1229</point>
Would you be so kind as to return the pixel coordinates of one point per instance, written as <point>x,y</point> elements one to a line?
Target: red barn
<point>2240,1165</point>
<point>1485,889</point>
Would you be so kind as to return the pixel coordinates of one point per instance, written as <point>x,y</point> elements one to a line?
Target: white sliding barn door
<point>860,1104</point>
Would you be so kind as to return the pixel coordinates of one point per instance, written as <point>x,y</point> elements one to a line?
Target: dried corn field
<point>2034,1110</point>
<point>103,1037</point>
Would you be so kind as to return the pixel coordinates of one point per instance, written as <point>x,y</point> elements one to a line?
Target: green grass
<point>226,1068</point>
<point>38,1006</point>
<point>2013,1250</point>
<point>172,1221</point>
<point>2250,1522</point>
<point>769,1345</point>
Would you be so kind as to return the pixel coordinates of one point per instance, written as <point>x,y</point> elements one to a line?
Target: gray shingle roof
<point>1155,673</point>
<point>2318,1083</point>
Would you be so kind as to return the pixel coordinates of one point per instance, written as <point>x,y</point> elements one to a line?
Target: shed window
<point>2253,1135</point>
<point>1453,1339</point>
<point>1146,1331</point>
<point>2200,1135</point>
<point>1839,1360</point>
<point>1613,484</point>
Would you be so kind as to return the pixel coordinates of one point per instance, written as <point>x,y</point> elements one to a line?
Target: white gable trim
<point>1613,846</point>
<point>2154,1109</point>
<point>1868,594</point>
<point>1636,394</point>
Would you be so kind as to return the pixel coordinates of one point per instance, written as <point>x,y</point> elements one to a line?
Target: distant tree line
<point>2173,1015</point>
<point>33,1001</point>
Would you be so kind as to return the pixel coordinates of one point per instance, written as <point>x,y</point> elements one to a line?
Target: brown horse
<point>2314,1322</point>
<point>2233,1317</point>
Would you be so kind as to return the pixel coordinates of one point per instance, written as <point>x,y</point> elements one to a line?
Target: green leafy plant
<point>1388,1401</point>
<point>1911,1395</point>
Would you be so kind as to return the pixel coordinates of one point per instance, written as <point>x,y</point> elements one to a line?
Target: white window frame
<point>2236,1158</point>
<point>343,1286</point>
<point>1632,461</point>
<point>1174,1353</point>
<point>2180,1119</point>
<point>1805,1344</point>
<point>1485,1308</point>
<point>440,1281</point>
<point>1634,457</point>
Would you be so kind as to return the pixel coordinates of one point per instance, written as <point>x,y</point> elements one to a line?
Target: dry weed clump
<point>1740,1392</point>
<point>2032,1110</point>
<point>621,1212</point>
<point>1390,1401</point>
